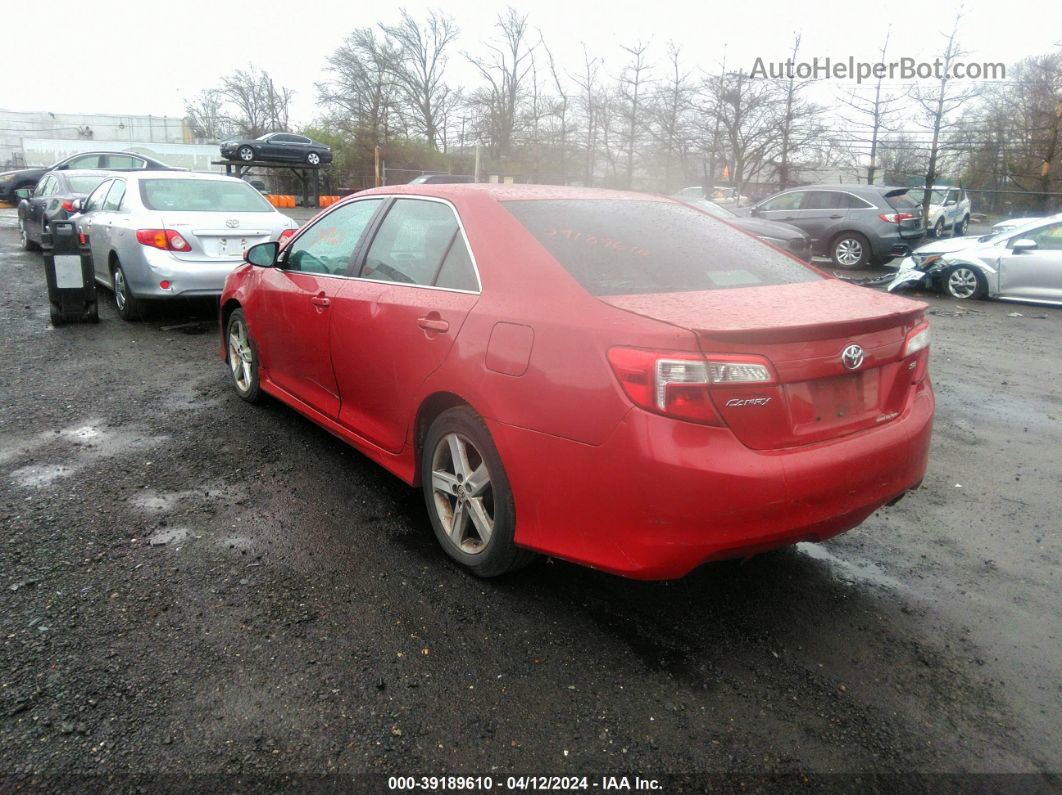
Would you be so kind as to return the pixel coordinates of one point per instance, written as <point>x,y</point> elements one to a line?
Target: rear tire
<point>850,250</point>
<point>56,317</point>
<point>24,241</point>
<point>962,228</point>
<point>468,495</point>
<point>128,305</point>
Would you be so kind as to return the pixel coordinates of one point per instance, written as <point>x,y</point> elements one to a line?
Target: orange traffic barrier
<point>328,201</point>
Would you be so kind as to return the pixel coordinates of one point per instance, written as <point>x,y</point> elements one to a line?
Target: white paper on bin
<point>68,271</point>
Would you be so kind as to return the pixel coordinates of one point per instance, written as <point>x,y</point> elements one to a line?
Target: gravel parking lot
<point>193,585</point>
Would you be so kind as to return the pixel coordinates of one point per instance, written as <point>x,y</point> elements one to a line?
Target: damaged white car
<point>1022,264</point>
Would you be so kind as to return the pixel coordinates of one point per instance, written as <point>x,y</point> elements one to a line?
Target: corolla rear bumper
<point>661,497</point>
<point>186,278</point>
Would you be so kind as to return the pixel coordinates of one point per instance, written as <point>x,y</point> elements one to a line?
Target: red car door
<point>293,309</point>
<point>395,324</point>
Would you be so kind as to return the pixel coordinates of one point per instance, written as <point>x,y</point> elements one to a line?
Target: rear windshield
<point>903,201</point>
<point>202,195</point>
<point>620,247</point>
<point>85,184</point>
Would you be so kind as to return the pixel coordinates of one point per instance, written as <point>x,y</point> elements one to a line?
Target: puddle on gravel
<point>170,535</point>
<point>40,475</point>
<point>848,571</point>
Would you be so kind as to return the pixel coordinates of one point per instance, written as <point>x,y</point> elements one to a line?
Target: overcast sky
<point>149,57</point>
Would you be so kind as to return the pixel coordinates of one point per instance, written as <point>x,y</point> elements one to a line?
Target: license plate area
<point>228,246</point>
<point>834,403</point>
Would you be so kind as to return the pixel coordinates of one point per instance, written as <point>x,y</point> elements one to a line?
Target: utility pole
<point>476,172</point>
<point>376,166</point>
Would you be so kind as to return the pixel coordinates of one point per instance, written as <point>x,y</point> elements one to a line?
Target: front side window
<point>95,201</point>
<point>623,247</point>
<point>114,196</point>
<point>412,242</point>
<point>1048,238</point>
<point>202,195</point>
<point>329,246</point>
<point>787,201</point>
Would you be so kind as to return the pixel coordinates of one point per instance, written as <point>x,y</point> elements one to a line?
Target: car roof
<point>210,175</point>
<point>853,188</point>
<point>502,192</point>
<point>88,172</point>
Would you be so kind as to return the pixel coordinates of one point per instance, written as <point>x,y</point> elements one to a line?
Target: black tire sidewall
<point>254,391</point>
<point>861,239</point>
<point>501,554</point>
<point>131,310</point>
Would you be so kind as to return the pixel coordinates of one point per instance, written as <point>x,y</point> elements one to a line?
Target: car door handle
<point>433,323</point>
<point>320,300</point>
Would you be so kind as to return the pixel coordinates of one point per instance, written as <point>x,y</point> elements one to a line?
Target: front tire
<point>313,159</point>
<point>850,250</point>
<point>245,153</point>
<point>129,306</point>
<point>468,495</point>
<point>965,283</point>
<point>242,358</point>
<point>23,238</point>
<point>938,230</point>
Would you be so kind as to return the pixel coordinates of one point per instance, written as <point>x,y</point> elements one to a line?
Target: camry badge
<point>852,357</point>
<point>735,402</point>
<point>232,223</point>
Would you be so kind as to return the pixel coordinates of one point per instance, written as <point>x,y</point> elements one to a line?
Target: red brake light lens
<point>895,218</point>
<point>68,205</point>
<point>677,385</point>
<point>285,236</point>
<point>165,239</point>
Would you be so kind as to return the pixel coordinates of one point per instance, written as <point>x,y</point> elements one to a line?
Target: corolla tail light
<point>68,205</point>
<point>285,236</point>
<point>165,239</point>
<point>677,384</point>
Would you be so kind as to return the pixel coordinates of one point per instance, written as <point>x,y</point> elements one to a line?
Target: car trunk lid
<point>219,235</point>
<point>803,331</point>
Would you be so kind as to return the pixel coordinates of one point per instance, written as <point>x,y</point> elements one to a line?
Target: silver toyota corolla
<point>1022,264</point>
<point>159,234</point>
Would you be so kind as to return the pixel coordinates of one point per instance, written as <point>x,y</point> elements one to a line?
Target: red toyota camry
<point>611,378</point>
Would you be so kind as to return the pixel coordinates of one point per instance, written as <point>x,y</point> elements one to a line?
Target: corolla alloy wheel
<point>464,496</point>
<point>964,282</point>
<point>313,159</point>
<point>121,298</point>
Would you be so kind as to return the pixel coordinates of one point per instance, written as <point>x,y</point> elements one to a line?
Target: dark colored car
<point>441,179</point>
<point>778,234</point>
<point>53,200</point>
<point>277,146</point>
<point>12,181</point>
<point>612,378</point>
<point>854,225</point>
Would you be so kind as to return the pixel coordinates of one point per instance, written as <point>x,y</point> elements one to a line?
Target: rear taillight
<point>917,342</point>
<point>165,239</point>
<point>678,384</point>
<point>895,218</point>
<point>68,205</point>
<point>285,236</point>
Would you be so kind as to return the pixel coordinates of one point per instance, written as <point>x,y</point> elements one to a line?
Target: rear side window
<point>411,243</point>
<point>620,247</point>
<point>825,200</point>
<point>84,184</point>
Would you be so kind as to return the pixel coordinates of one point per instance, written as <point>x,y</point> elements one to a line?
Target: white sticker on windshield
<point>68,271</point>
<point>734,278</point>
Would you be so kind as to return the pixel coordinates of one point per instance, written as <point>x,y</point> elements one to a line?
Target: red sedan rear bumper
<point>661,497</point>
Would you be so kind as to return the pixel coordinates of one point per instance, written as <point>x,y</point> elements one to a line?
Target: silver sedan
<point>1022,264</point>
<point>161,235</point>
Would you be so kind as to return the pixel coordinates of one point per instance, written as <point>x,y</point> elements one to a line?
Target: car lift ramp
<point>309,176</point>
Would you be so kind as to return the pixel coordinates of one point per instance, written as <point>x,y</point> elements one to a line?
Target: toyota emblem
<point>852,357</point>
<point>232,223</point>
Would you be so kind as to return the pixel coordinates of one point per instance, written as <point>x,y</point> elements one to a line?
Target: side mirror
<point>262,255</point>
<point>24,193</point>
<point>77,206</point>
<point>949,203</point>
<point>1023,244</point>
<point>755,210</point>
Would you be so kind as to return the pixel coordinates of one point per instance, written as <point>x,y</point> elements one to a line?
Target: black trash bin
<point>68,268</point>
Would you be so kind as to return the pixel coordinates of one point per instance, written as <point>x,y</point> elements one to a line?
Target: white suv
<point>949,209</point>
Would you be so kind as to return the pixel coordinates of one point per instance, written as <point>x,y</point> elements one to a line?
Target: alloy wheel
<point>246,153</point>
<point>962,283</point>
<point>463,495</point>
<point>849,251</point>
<point>240,355</point>
<point>23,239</point>
<point>313,158</point>
<point>119,289</point>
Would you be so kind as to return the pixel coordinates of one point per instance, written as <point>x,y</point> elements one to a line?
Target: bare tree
<point>799,126</point>
<point>669,112</point>
<point>587,84</point>
<point>205,115</point>
<point>870,117</point>
<point>560,107</point>
<point>939,104</point>
<point>632,85</point>
<point>254,104</point>
<point>504,70</point>
<point>361,96</point>
<point>419,68</point>
<point>747,123</point>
